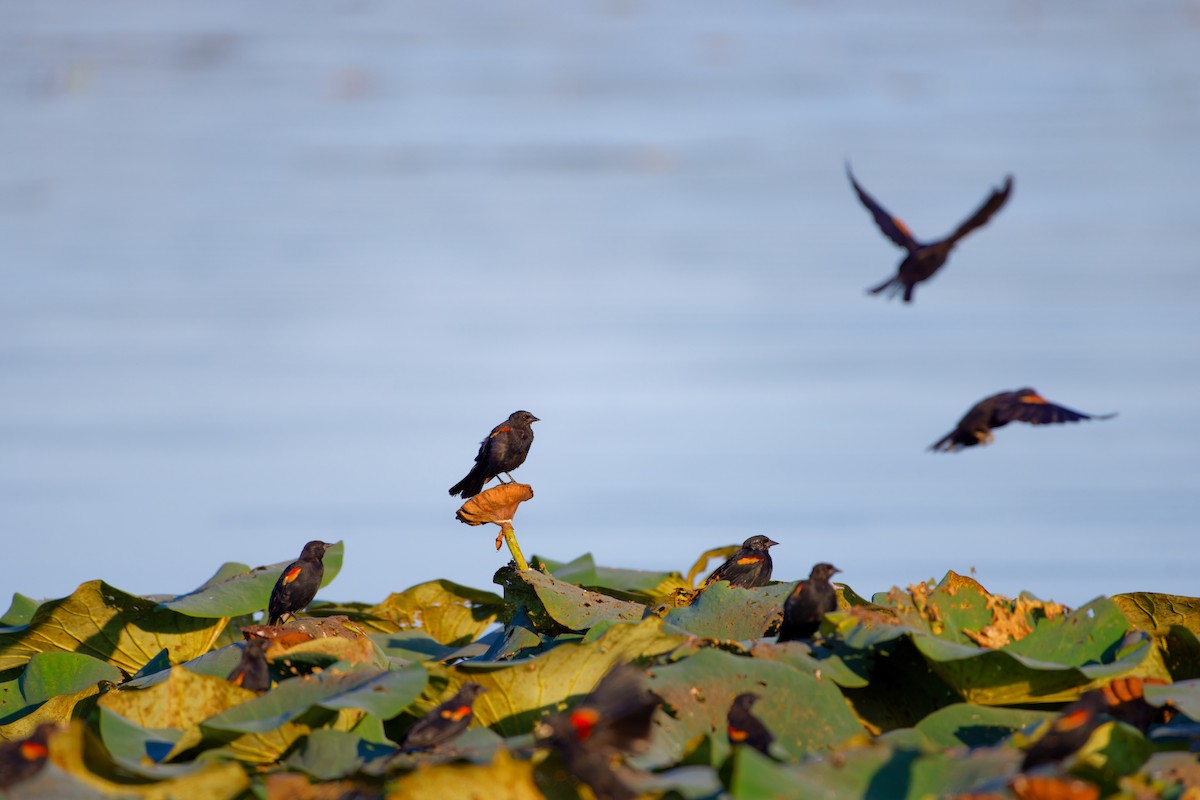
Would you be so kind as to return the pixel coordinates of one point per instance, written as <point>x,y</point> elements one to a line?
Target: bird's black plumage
<point>445,722</point>
<point>749,567</point>
<point>252,671</point>
<point>298,584</point>
<point>808,603</point>
<point>996,411</point>
<point>504,449</point>
<point>743,727</point>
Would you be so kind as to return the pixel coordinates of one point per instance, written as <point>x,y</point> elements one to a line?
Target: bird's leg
<point>510,477</point>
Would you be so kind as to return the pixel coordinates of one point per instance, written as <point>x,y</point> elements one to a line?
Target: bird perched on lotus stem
<point>1023,405</point>
<point>808,603</point>
<point>504,449</point>
<point>924,258</point>
<point>749,567</point>
<point>445,722</point>
<point>743,727</point>
<point>298,584</point>
<point>612,721</point>
<point>252,671</point>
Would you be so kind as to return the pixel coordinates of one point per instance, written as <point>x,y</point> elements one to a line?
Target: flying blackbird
<point>504,449</point>
<point>298,584</point>
<point>808,603</point>
<point>611,721</point>
<point>252,671</point>
<point>1023,405</point>
<point>745,728</point>
<point>21,759</point>
<point>749,567</point>
<point>924,259</point>
<point>1069,732</point>
<point>445,722</point>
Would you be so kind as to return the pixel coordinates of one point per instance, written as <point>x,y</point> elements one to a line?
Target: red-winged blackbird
<point>1069,732</point>
<point>298,584</point>
<point>1023,405</point>
<point>252,671</point>
<point>613,720</point>
<point>445,722</point>
<point>924,259</point>
<point>21,759</point>
<point>504,449</point>
<point>749,567</point>
<point>808,603</point>
<point>745,728</point>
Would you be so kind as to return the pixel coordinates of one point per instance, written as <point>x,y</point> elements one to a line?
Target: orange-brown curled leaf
<point>1028,787</point>
<point>497,505</point>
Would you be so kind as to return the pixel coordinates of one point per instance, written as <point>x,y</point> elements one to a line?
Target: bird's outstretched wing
<point>1037,410</point>
<point>891,226</point>
<point>990,206</point>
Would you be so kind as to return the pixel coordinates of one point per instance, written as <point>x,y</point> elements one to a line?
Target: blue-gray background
<point>271,270</point>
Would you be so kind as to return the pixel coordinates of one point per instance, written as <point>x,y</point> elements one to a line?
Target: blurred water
<point>272,271</point>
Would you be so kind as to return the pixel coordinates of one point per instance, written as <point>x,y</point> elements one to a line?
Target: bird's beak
<point>535,419</point>
<point>771,542</point>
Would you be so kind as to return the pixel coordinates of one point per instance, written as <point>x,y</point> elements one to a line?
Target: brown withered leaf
<point>336,636</point>
<point>1027,787</point>
<point>1010,620</point>
<point>497,505</point>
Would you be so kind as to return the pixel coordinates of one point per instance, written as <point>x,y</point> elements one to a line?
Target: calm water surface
<point>271,272</point>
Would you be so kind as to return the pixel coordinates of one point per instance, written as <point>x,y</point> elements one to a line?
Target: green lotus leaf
<point>385,695</point>
<point>77,753</point>
<point>1183,696</point>
<point>958,604</point>
<point>1113,751</point>
<point>555,606</point>
<point>20,611</point>
<point>1155,613</point>
<point>446,611</point>
<point>236,589</point>
<point>819,662</point>
<point>806,714</point>
<point>59,708</point>
<point>520,692</point>
<point>732,613</point>
<point>411,645</point>
<point>977,726</point>
<point>640,586</point>
<point>215,663</point>
<point>519,637</point>
<point>503,779</point>
<point>311,699</point>
<point>50,674</point>
<point>11,699</point>
<point>140,750</point>
<point>108,624</point>
<point>327,755</point>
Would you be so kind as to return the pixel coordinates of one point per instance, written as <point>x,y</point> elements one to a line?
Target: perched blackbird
<point>749,567</point>
<point>252,672</point>
<point>808,603</point>
<point>298,584</point>
<point>1069,732</point>
<point>504,449</point>
<point>611,721</point>
<point>923,259</point>
<point>21,759</point>
<point>745,728</point>
<point>1023,405</point>
<point>445,722</point>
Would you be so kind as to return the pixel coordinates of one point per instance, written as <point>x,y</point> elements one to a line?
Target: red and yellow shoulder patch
<point>500,430</point>
<point>744,560</point>
<point>32,751</point>
<point>583,720</point>
<point>292,574</point>
<point>455,714</point>
<point>1073,720</point>
<point>736,734</point>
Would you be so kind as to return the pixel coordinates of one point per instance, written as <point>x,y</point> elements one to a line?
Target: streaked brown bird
<point>504,449</point>
<point>252,671</point>
<point>298,584</point>
<point>743,727</point>
<point>445,722</point>
<point>612,721</point>
<point>924,258</point>
<point>1023,405</point>
<point>749,567</point>
<point>808,603</point>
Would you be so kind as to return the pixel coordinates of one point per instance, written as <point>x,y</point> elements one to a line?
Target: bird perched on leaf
<point>445,722</point>
<point>808,603</point>
<point>749,567</point>
<point>612,721</point>
<point>743,727</point>
<point>298,584</point>
<point>21,759</point>
<point>1023,405</point>
<point>1069,732</point>
<point>924,259</point>
<point>504,449</point>
<point>252,671</point>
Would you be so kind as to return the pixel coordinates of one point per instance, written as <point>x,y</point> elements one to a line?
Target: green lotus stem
<point>510,536</point>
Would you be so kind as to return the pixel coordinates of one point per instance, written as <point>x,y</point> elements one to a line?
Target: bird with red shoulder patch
<point>997,410</point>
<point>21,759</point>
<point>749,567</point>
<point>445,722</point>
<point>504,449</point>
<point>298,584</point>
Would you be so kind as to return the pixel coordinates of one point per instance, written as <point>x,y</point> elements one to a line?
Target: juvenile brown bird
<point>504,449</point>
<point>1023,405</point>
<point>743,727</point>
<point>808,603</point>
<point>923,259</point>
<point>613,720</point>
<point>298,584</point>
<point>749,567</point>
<point>252,671</point>
<point>445,722</point>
